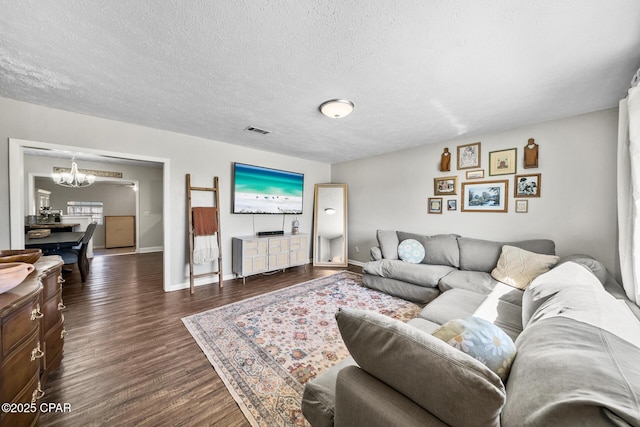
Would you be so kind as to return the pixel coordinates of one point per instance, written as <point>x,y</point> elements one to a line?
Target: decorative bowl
<point>20,255</point>
<point>12,274</point>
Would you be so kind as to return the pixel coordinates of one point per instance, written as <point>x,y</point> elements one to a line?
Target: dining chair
<point>78,254</point>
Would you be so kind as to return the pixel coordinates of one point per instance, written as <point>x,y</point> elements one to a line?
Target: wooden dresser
<point>31,339</point>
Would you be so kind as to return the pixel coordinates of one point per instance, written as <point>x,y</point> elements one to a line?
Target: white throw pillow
<point>410,250</point>
<point>517,267</point>
<point>481,340</point>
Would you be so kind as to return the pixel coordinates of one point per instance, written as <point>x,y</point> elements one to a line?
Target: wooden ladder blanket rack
<point>215,190</point>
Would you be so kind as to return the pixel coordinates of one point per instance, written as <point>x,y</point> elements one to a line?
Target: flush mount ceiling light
<point>336,108</point>
<point>330,211</point>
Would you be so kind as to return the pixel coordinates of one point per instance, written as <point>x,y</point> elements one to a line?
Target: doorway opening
<point>23,199</point>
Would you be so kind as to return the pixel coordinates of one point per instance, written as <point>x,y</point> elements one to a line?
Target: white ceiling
<point>418,71</point>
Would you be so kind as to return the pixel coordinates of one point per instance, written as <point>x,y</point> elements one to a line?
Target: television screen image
<point>260,190</point>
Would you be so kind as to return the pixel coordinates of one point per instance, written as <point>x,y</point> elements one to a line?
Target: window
<point>93,209</point>
<point>43,198</point>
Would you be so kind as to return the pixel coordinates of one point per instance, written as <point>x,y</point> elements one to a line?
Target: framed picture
<point>435,205</point>
<point>522,206</point>
<point>527,185</point>
<point>475,174</point>
<point>469,156</point>
<point>452,205</point>
<point>486,196</point>
<point>502,162</point>
<point>445,186</point>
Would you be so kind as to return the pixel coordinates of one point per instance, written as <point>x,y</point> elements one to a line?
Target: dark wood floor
<point>129,360</point>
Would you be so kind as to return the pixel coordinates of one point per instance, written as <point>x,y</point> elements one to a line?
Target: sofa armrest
<point>363,400</point>
<point>376,253</point>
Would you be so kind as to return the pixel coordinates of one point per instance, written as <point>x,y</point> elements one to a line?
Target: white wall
<point>203,158</point>
<point>577,209</point>
<point>577,162</point>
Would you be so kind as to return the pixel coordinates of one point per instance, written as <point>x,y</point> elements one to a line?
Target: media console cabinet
<point>31,339</point>
<point>260,254</point>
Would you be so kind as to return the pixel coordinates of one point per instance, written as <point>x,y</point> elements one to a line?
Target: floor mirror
<point>330,225</point>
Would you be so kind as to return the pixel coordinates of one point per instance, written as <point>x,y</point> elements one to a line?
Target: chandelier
<point>73,178</point>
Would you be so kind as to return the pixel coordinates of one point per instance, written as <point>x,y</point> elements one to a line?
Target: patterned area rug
<point>266,348</point>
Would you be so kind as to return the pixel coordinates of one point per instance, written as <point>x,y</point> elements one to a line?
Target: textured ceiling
<point>418,71</point>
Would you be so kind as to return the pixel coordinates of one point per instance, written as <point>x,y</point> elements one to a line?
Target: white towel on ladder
<point>205,248</point>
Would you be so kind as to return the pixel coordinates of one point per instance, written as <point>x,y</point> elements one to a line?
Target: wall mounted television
<point>260,190</point>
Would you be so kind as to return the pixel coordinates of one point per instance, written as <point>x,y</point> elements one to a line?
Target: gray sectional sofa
<point>576,344</point>
<point>450,262</point>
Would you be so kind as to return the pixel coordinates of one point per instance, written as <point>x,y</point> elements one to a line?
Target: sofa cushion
<point>482,255</point>
<point>596,267</point>
<point>400,289</point>
<point>577,354</point>
<point>318,398</point>
<point>366,401</point>
<point>411,251</point>
<point>388,243</point>
<point>481,340</point>
<point>572,291</point>
<point>500,307</point>
<point>545,287</point>
<point>417,274</point>
<point>475,281</point>
<point>569,373</point>
<point>375,253</point>
<point>423,324</point>
<point>453,386</point>
<point>440,249</point>
<point>518,267</point>
<point>453,304</point>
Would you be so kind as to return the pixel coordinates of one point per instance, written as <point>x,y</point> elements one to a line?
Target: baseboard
<point>358,263</point>
<point>200,281</point>
<point>150,249</point>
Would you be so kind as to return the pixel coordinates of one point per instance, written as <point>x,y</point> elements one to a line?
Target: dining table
<point>54,241</point>
<point>58,244</point>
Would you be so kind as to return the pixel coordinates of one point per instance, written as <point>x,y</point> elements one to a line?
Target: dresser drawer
<point>51,311</point>
<point>53,343</point>
<point>20,324</point>
<point>50,283</point>
<point>19,367</point>
<point>31,394</point>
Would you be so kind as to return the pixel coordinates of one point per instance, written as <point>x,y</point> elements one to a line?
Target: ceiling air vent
<point>256,130</point>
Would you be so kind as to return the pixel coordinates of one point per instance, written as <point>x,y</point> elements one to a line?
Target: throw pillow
<point>411,250</point>
<point>481,340</point>
<point>440,249</point>
<point>423,368</point>
<point>517,267</point>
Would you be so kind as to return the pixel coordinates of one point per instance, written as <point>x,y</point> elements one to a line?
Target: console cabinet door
<point>298,254</point>
<point>249,256</point>
<point>278,253</point>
